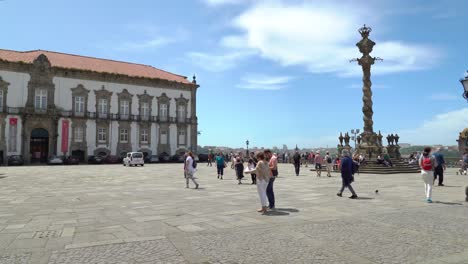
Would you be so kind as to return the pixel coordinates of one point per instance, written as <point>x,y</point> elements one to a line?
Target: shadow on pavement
<point>449,186</point>
<point>447,203</point>
<point>291,210</point>
<point>276,213</point>
<point>364,198</point>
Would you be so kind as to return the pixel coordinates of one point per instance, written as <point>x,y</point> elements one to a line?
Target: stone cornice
<point>24,67</point>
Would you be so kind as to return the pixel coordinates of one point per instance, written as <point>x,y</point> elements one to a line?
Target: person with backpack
<point>427,163</point>
<point>297,162</point>
<point>440,168</point>
<point>318,160</point>
<point>190,169</point>
<point>328,163</point>
<point>347,172</point>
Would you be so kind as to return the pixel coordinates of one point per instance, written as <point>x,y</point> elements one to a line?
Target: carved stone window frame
<point>181,101</point>
<point>146,126</point>
<point>82,124</point>
<point>124,146</point>
<point>179,127</point>
<point>167,146</point>
<point>164,99</point>
<point>80,91</point>
<point>4,88</point>
<point>102,124</point>
<point>145,98</point>
<point>41,78</point>
<point>103,94</point>
<point>125,96</point>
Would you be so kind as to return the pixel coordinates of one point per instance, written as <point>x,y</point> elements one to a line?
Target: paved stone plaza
<point>113,214</point>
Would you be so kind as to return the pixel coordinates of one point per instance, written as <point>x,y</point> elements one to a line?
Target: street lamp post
<point>354,132</point>
<point>247,151</point>
<point>464,82</point>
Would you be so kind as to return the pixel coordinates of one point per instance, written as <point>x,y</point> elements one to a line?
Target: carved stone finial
<point>194,79</point>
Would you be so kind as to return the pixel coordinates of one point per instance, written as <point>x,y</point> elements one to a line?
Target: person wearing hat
<point>329,163</point>
<point>347,171</point>
<point>318,163</point>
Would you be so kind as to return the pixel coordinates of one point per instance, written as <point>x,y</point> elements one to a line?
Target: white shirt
<point>189,164</point>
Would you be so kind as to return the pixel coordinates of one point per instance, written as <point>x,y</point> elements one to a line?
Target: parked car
<point>95,159</point>
<point>134,159</point>
<point>71,160</point>
<point>203,157</point>
<point>152,159</point>
<point>15,160</point>
<point>178,158</point>
<point>164,157</point>
<point>112,159</point>
<point>54,160</point>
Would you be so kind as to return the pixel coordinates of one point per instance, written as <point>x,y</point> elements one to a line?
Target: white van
<point>134,158</point>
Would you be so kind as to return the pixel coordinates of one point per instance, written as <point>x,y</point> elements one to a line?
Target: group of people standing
<point>318,160</point>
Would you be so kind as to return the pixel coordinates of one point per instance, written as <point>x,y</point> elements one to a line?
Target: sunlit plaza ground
<point>114,214</point>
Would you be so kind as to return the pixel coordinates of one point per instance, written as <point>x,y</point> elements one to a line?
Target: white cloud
<point>223,2</point>
<point>264,82</point>
<point>147,44</point>
<point>321,37</point>
<point>217,63</point>
<point>444,97</point>
<point>441,129</point>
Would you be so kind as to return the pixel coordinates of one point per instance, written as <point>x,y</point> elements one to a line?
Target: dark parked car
<point>202,157</point>
<point>72,160</point>
<point>178,158</point>
<point>15,160</point>
<point>152,159</point>
<point>54,160</point>
<point>95,159</point>
<point>164,157</point>
<point>112,159</point>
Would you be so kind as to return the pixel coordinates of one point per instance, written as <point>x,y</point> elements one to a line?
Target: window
<point>40,102</point>
<point>181,112</point>
<point>102,135</point>
<point>102,107</point>
<point>163,112</point>
<point>124,135</point>
<point>163,137</point>
<point>144,136</point>
<point>79,105</point>
<point>124,109</point>
<point>182,136</point>
<point>78,135</point>
<point>144,111</point>
<point>1,101</point>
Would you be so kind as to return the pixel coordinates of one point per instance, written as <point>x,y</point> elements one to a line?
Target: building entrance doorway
<point>39,145</point>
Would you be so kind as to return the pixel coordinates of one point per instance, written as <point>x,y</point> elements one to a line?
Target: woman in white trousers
<point>427,163</point>
<point>263,177</point>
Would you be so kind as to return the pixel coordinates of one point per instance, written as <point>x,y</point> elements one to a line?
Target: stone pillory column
<point>369,138</point>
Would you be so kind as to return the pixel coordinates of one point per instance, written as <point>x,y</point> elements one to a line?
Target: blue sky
<point>275,72</point>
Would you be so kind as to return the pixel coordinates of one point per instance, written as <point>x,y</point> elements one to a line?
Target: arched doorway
<point>39,145</point>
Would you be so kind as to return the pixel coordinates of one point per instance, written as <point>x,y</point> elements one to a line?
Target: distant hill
<point>447,153</point>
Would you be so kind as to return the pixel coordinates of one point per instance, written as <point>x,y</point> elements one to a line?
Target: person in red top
<point>273,164</point>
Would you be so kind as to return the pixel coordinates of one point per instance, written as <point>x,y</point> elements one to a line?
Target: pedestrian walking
<point>273,165</point>
<point>347,174</point>
<point>251,166</point>
<point>329,163</point>
<point>318,163</point>
<point>297,162</point>
<point>427,163</point>
<point>263,175</point>
<point>220,165</point>
<point>239,166</point>
<point>210,157</point>
<point>439,170</point>
<point>190,169</point>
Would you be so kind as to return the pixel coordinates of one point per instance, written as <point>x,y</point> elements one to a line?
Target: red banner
<point>65,126</point>
<point>13,121</point>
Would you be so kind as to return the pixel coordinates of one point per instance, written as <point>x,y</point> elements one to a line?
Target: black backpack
<point>329,160</point>
<point>194,164</point>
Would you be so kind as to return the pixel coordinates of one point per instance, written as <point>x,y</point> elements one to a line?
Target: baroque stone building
<point>54,103</point>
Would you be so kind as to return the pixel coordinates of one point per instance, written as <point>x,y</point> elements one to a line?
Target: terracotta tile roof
<point>71,61</point>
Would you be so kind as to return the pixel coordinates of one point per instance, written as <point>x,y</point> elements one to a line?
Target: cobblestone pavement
<point>114,214</point>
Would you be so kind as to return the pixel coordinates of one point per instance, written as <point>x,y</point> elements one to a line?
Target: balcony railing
<point>135,117</point>
<point>66,113</point>
<point>103,115</point>
<point>91,115</point>
<point>124,116</point>
<point>163,119</point>
<point>79,114</point>
<point>145,117</point>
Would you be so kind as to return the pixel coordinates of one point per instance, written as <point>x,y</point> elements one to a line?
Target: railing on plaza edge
<point>108,116</point>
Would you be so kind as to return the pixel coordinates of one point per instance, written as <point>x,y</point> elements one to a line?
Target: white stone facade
<point>104,115</point>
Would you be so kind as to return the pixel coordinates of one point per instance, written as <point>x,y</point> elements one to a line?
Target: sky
<point>275,72</point>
